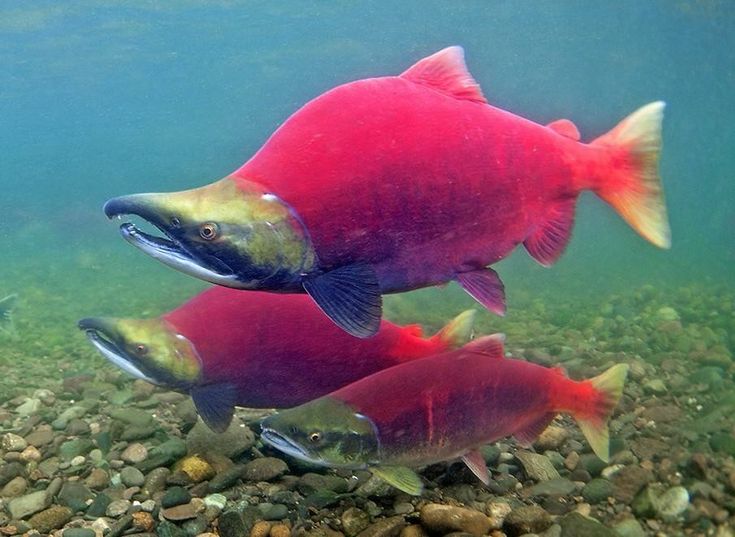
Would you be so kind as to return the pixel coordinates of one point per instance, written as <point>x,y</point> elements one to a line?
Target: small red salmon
<point>227,348</point>
<point>440,408</point>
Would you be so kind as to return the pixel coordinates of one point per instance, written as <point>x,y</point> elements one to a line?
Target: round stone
<point>132,477</point>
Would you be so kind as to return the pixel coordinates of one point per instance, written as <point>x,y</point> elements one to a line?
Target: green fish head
<point>232,233</point>
<point>327,432</point>
<point>148,349</point>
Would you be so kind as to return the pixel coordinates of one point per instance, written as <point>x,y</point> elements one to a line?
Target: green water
<point>103,99</point>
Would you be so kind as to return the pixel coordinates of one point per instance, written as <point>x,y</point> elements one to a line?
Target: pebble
<point>552,438</point>
<point>227,478</point>
<point>279,530</point>
<point>597,490</point>
<point>311,482</point>
<point>175,496</point>
<point>78,532</point>
<point>629,527</point>
<point>196,468</point>
<point>577,525</point>
<point>354,520</point>
<point>50,519</point>
<point>264,469</point>
<point>97,479</point>
<point>74,495</point>
<point>526,519</point>
<point>231,524</point>
<point>29,504</point>
<point>386,527</point>
<point>134,453</point>
<point>13,442</point>
<point>40,437</point>
<point>537,467</point>
<point>447,518</point>
<point>628,481</point>
<point>30,454</point>
<point>181,512</point>
<point>117,508</point>
<point>270,511</point>
<point>99,505</point>
<point>237,439</point>
<point>670,505</point>
<point>14,487</point>
<point>132,477</point>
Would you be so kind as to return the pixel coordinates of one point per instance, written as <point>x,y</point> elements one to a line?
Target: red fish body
<point>417,176</point>
<point>390,184</point>
<point>279,350</point>
<point>440,408</point>
<point>227,348</point>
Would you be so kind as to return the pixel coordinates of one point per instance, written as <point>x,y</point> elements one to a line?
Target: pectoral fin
<point>484,285</point>
<point>476,462</point>
<point>349,296</point>
<point>215,403</point>
<point>400,477</point>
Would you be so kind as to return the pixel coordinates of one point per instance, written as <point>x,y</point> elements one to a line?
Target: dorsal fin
<point>565,128</point>
<point>492,346</point>
<point>446,71</point>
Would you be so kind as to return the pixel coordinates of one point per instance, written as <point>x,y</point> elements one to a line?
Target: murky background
<point>98,100</point>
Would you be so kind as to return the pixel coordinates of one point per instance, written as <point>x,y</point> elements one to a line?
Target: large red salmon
<point>441,408</point>
<point>395,183</point>
<point>262,350</point>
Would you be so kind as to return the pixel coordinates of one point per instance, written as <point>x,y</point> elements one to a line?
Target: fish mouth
<point>286,445</point>
<point>98,333</point>
<point>165,248</point>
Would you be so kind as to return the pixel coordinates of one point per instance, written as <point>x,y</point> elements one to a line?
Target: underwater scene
<point>367,269</point>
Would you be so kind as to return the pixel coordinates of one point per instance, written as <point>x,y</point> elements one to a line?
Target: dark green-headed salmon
<point>440,408</point>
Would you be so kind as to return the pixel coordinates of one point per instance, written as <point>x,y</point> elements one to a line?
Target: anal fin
<point>485,286</point>
<point>215,403</point>
<point>350,297</point>
<point>548,241</point>
<point>530,433</point>
<point>476,462</point>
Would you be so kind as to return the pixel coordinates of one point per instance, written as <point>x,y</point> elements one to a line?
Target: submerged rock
<point>447,518</point>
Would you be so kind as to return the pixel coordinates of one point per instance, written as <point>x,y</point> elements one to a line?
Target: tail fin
<point>608,387</point>
<point>633,186</point>
<point>458,331</point>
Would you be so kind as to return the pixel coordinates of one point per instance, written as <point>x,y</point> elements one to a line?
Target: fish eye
<point>141,350</point>
<point>315,437</point>
<point>208,231</point>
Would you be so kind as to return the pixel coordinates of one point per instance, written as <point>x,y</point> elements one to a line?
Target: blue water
<point>100,99</point>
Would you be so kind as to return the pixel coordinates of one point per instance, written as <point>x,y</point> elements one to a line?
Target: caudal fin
<point>458,331</point>
<point>632,184</point>
<point>607,389</point>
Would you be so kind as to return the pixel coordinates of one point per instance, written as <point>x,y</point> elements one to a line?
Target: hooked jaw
<point>100,332</point>
<point>234,235</point>
<point>168,249</point>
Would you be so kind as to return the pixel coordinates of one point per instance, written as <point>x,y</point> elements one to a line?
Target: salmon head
<point>325,431</point>
<point>148,349</point>
<point>232,234</point>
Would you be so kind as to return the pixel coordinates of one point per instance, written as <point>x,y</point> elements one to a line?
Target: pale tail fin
<point>458,331</point>
<point>593,421</point>
<point>632,184</point>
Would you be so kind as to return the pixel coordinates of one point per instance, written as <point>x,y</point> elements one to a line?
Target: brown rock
<point>264,469</point>
<point>50,519</point>
<point>261,528</point>
<point>662,413</point>
<point>386,527</point>
<point>143,521</point>
<point>97,479</point>
<point>628,481</point>
<point>553,437</point>
<point>354,520</point>
<point>526,519</point>
<point>414,530</point>
<point>280,530</point>
<point>181,512</point>
<point>448,518</point>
